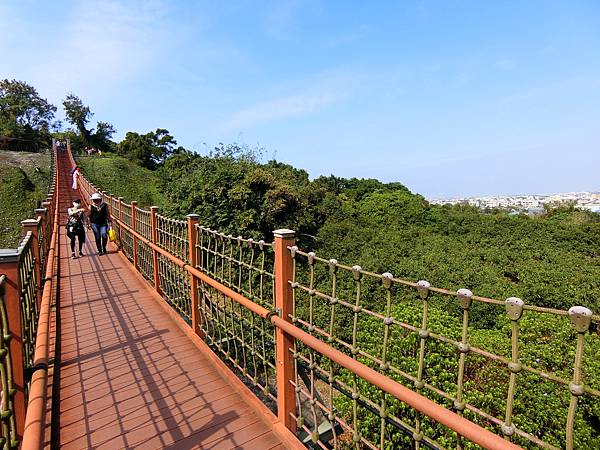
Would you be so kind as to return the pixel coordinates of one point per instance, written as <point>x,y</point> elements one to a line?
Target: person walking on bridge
<point>99,220</point>
<point>75,227</point>
<point>75,174</point>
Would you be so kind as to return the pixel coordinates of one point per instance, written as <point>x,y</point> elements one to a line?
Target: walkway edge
<point>265,414</point>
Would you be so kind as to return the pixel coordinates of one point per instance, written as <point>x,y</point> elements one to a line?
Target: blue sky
<point>448,97</point>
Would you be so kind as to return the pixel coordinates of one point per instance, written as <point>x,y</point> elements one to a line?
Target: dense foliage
<point>550,260</point>
<point>24,114</point>
<point>24,179</point>
<point>148,150</point>
<point>78,114</point>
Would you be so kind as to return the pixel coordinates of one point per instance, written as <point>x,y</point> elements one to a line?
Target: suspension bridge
<point>184,337</point>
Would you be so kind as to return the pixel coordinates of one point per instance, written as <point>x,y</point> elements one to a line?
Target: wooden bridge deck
<point>130,377</point>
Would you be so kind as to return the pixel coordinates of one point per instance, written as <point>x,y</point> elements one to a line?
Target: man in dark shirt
<point>99,220</point>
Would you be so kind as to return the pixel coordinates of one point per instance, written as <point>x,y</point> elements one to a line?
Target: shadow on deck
<point>129,376</point>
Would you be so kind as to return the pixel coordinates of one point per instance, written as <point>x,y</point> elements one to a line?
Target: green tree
<point>101,138</point>
<point>148,150</point>
<point>23,113</point>
<point>79,115</point>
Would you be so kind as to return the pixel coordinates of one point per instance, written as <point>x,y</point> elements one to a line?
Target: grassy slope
<point>24,179</point>
<point>122,177</point>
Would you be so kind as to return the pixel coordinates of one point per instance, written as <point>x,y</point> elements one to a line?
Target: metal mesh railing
<point>172,235</point>
<point>145,262</point>
<point>22,282</point>
<point>241,338</point>
<point>244,265</point>
<point>126,236</point>
<point>390,325</point>
<point>28,299</point>
<point>142,222</point>
<point>8,434</point>
<point>44,233</point>
<point>175,287</point>
<point>114,204</point>
<point>144,253</point>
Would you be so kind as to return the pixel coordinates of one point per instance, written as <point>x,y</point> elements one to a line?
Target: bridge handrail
<point>578,324</point>
<point>27,287</point>
<point>462,426</point>
<point>35,419</point>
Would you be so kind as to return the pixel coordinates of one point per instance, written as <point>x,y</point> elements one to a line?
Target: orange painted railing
<point>163,250</point>
<point>35,419</point>
<point>29,284</point>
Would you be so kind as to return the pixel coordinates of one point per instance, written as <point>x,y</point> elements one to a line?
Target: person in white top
<point>76,174</point>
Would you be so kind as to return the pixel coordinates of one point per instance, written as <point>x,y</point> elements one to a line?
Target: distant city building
<point>530,204</point>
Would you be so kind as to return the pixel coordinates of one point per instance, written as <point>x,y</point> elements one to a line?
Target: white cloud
<point>299,98</point>
<point>280,108</point>
<point>349,37</point>
<point>104,42</point>
<point>429,160</point>
<point>544,92</point>
<point>95,46</point>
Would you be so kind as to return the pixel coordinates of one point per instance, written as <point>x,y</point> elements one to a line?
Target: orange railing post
<point>134,238</point>
<point>42,217</point>
<point>9,266</point>
<point>192,220</point>
<point>153,212</point>
<point>120,199</point>
<point>33,226</point>
<point>44,226</point>
<point>47,204</point>
<point>284,343</point>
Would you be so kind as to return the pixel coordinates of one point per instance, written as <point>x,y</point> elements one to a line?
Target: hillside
<point>24,179</point>
<point>120,176</point>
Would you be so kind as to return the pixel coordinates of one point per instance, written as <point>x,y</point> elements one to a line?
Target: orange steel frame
<point>192,220</point>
